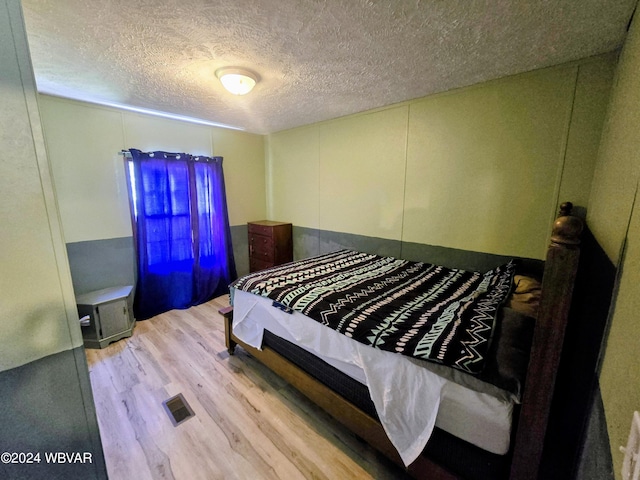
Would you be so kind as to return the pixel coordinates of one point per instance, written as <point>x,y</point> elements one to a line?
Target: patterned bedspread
<point>417,309</point>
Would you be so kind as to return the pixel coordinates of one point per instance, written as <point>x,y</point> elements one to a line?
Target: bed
<point>466,397</point>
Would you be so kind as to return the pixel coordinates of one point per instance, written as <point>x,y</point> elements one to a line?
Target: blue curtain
<point>181,230</point>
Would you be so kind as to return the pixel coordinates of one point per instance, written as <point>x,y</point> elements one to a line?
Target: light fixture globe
<point>238,81</point>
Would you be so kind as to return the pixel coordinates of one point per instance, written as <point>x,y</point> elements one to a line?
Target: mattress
<point>417,402</point>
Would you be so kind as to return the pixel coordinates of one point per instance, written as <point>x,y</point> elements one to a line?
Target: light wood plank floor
<point>248,424</point>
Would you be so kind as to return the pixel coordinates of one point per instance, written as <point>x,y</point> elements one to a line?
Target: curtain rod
<point>127,153</point>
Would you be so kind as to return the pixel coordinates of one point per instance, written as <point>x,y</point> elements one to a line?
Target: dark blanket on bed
<point>417,309</point>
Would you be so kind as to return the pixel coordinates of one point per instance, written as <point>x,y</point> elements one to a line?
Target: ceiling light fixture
<point>238,81</point>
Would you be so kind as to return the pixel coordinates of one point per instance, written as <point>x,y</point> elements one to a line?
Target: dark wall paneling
<point>47,407</point>
<point>99,264</point>
<point>596,462</point>
<point>239,239</point>
<point>332,241</point>
<point>465,259</point>
<point>309,242</point>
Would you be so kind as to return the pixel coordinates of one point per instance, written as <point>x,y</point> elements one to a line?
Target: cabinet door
<point>114,317</point>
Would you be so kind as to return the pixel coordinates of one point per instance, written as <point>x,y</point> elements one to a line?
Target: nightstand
<point>106,315</point>
<point>270,244</point>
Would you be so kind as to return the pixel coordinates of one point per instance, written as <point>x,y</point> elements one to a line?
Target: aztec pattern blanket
<point>417,309</point>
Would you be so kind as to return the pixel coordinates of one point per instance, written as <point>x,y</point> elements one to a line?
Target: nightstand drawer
<point>260,241</point>
<point>264,230</point>
<point>256,264</point>
<point>261,247</point>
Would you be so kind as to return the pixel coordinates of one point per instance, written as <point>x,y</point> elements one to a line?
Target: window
<point>181,228</point>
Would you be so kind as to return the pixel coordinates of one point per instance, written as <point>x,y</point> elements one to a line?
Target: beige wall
<point>362,172</point>
<point>293,172</point>
<point>489,157</point>
<point>614,216</point>
<point>481,168</point>
<point>37,309</point>
<point>84,141</point>
<point>244,173</point>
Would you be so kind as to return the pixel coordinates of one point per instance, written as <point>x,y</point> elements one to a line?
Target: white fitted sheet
<point>409,399</point>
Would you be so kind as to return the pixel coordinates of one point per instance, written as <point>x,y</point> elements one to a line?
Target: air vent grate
<point>178,409</point>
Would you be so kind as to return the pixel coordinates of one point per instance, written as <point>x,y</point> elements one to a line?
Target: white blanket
<point>406,396</point>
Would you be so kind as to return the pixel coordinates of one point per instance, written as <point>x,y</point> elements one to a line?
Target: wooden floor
<point>248,423</point>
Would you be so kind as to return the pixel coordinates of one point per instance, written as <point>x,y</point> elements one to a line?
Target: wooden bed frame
<point>531,425</point>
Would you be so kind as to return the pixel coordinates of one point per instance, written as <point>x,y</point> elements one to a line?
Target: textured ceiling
<point>317,59</point>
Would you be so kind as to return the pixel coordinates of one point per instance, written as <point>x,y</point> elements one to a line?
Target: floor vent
<point>178,409</point>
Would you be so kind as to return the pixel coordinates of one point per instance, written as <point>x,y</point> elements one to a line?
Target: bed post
<point>227,314</point>
<point>557,287</point>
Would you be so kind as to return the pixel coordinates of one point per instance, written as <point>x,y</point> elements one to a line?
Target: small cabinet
<point>270,244</point>
<point>106,315</point>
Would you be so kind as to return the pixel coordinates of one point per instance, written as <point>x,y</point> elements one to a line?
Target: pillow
<point>508,356</point>
<point>506,361</point>
<point>526,295</point>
